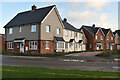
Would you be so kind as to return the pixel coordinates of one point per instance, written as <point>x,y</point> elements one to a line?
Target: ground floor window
<point>90,45</point>
<point>60,45</point>
<point>101,46</point>
<point>107,46</point>
<point>10,45</point>
<point>66,45</point>
<point>47,45</point>
<point>33,45</point>
<point>17,45</point>
<point>118,47</point>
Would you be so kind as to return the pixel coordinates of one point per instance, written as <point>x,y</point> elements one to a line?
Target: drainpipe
<point>39,32</point>
<point>74,40</point>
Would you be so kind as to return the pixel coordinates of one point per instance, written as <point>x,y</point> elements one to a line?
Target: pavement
<point>63,62</point>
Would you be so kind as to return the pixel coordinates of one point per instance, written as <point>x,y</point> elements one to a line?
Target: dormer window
<point>33,28</point>
<point>10,30</point>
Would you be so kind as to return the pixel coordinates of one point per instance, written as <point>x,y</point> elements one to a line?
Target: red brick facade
<point>2,42</point>
<point>92,40</point>
<point>42,47</point>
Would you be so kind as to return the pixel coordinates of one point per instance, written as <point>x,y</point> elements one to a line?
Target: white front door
<point>111,47</point>
<point>22,47</point>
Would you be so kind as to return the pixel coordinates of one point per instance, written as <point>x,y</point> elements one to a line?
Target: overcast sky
<point>102,14</point>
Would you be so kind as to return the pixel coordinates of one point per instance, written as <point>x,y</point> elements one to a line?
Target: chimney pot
<point>34,7</point>
<point>65,19</point>
<point>93,25</point>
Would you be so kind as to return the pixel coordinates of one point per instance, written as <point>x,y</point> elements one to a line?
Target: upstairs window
<point>66,32</point>
<point>33,28</point>
<point>10,30</point>
<point>58,30</point>
<point>111,38</point>
<point>47,28</point>
<point>107,37</point>
<point>20,29</point>
<point>96,37</point>
<point>71,33</point>
<point>101,37</point>
<point>76,34</point>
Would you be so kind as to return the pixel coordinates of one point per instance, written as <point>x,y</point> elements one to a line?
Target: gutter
<point>39,36</point>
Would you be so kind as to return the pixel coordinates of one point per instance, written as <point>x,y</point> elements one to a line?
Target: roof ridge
<point>37,9</point>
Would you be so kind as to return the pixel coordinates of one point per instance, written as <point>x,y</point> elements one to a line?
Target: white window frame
<point>10,45</point>
<point>66,45</point>
<point>10,30</point>
<point>17,45</point>
<point>71,33</point>
<point>107,37</point>
<point>90,45</point>
<point>33,28</point>
<point>107,46</point>
<point>58,30</point>
<point>20,29</point>
<point>66,32</point>
<point>47,44</point>
<point>60,45</point>
<point>111,38</point>
<point>101,37</point>
<point>101,46</point>
<point>96,37</point>
<point>33,47</point>
<point>47,28</point>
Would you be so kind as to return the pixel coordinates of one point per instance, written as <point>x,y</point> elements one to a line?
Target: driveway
<point>85,54</point>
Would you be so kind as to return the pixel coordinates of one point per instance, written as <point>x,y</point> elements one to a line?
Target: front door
<point>22,47</point>
<point>111,47</point>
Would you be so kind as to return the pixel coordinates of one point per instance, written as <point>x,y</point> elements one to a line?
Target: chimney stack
<point>65,19</point>
<point>93,25</point>
<point>34,7</point>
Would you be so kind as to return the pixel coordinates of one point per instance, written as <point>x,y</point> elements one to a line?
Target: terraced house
<point>38,31</point>
<point>117,39</point>
<point>73,38</point>
<point>98,38</point>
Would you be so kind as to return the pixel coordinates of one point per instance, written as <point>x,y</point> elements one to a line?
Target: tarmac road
<point>59,63</point>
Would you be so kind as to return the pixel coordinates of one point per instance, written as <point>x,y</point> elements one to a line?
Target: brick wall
<point>2,43</point>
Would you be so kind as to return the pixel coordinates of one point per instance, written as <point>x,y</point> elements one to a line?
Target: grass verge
<point>40,54</point>
<point>109,53</point>
<point>36,72</point>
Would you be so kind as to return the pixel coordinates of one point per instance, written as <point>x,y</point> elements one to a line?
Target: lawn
<point>37,72</point>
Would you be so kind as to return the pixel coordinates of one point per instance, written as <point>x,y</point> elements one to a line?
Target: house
<point>2,42</point>
<point>98,38</point>
<point>73,38</point>
<point>36,31</point>
<point>117,39</point>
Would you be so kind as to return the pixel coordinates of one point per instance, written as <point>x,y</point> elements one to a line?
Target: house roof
<point>28,17</point>
<point>19,38</point>
<point>105,31</point>
<point>71,40</point>
<point>59,38</point>
<point>117,31</point>
<point>70,27</point>
<point>91,29</point>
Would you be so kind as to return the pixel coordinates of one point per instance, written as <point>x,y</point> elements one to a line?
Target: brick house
<point>98,38</point>
<point>2,42</point>
<point>117,39</point>
<point>73,38</point>
<point>36,31</point>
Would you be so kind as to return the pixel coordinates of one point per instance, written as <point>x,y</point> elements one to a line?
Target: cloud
<point>98,5</point>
